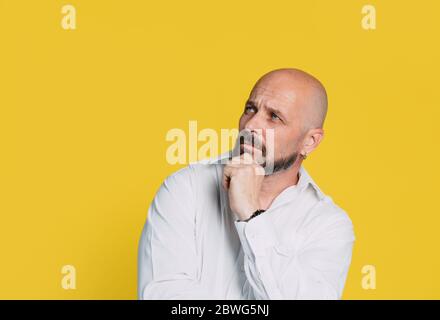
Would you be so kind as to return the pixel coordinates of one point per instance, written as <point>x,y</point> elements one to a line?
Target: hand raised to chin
<point>242,178</point>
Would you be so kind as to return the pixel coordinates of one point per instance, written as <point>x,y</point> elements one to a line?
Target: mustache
<point>248,138</point>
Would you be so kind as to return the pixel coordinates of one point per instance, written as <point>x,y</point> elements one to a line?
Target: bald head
<point>285,113</point>
<point>300,90</point>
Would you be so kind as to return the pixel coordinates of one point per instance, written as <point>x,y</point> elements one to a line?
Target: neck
<point>275,183</point>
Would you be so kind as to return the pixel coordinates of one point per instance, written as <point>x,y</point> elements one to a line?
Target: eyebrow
<point>276,111</point>
<point>270,109</point>
<point>249,101</point>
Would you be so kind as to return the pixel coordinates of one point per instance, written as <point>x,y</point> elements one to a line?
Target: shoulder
<point>326,217</point>
<point>192,177</point>
<point>329,210</point>
<point>201,171</point>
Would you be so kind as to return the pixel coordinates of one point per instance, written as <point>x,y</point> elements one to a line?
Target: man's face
<point>270,128</point>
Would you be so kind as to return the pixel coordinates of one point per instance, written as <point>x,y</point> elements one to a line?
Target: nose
<point>255,122</point>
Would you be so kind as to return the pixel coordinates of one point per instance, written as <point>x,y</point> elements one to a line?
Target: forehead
<point>263,94</point>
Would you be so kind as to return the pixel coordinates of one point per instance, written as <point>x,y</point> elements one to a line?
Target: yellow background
<point>84,114</point>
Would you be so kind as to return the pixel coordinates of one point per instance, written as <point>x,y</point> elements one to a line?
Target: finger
<point>259,170</point>
<point>244,159</point>
<point>228,172</point>
<point>247,159</point>
<point>226,181</point>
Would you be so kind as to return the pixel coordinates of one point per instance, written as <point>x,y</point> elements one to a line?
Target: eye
<point>249,108</point>
<point>274,116</point>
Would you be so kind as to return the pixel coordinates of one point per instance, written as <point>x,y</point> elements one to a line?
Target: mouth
<point>249,146</point>
<point>252,149</point>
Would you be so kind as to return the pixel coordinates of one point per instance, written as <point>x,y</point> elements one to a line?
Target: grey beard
<point>281,164</point>
<point>277,166</point>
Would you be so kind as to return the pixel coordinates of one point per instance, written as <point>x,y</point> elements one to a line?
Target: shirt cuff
<point>257,235</point>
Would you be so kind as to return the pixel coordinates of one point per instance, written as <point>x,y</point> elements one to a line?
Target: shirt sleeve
<point>167,260</point>
<point>314,267</point>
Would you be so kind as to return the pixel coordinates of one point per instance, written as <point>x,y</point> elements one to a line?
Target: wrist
<point>245,212</point>
<point>253,215</point>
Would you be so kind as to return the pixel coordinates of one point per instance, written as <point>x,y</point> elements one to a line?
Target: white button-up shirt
<point>193,247</point>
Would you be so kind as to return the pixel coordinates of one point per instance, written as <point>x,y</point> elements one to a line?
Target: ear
<point>311,140</point>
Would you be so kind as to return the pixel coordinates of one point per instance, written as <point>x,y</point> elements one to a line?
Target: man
<point>255,225</point>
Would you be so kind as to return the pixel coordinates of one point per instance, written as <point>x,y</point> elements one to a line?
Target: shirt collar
<point>305,180</point>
